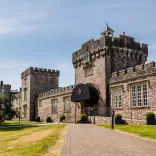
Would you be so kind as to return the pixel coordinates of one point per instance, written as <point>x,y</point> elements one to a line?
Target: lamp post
<point>19,112</point>
<point>112,126</point>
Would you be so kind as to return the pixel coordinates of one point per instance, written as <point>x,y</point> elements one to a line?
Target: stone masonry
<point>144,73</point>
<point>45,105</point>
<point>34,82</point>
<point>106,63</point>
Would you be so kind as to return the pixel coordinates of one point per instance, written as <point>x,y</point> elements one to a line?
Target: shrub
<point>38,119</point>
<point>84,118</point>
<point>49,120</point>
<point>62,118</point>
<point>118,119</point>
<point>150,117</point>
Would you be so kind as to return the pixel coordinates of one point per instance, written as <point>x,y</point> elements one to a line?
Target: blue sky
<point>45,33</point>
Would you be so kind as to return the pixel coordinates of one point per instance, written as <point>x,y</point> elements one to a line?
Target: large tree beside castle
<point>6,110</point>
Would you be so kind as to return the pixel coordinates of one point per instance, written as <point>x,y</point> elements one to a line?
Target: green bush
<point>84,118</point>
<point>38,119</point>
<point>62,118</point>
<point>49,120</point>
<point>150,117</point>
<point>118,119</point>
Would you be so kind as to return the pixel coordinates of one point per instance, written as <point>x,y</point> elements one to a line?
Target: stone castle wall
<point>45,106</point>
<point>133,73</point>
<point>106,55</point>
<point>5,89</point>
<point>38,80</point>
<point>145,73</point>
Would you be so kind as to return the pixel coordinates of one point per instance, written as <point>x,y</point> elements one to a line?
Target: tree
<point>6,109</point>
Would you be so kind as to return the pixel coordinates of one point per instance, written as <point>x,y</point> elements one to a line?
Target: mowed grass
<point>141,130</point>
<point>30,141</point>
<point>16,122</point>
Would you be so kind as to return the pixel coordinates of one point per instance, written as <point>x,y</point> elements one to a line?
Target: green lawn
<point>30,141</point>
<point>141,130</point>
<point>16,122</point>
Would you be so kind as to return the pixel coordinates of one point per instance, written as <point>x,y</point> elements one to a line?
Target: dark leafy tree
<point>6,109</point>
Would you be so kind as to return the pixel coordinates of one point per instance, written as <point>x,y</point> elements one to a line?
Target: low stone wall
<point>108,120</point>
<point>135,122</point>
<point>100,120</point>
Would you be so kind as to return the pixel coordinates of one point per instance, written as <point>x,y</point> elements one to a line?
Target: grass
<point>16,122</point>
<point>29,141</point>
<point>140,130</point>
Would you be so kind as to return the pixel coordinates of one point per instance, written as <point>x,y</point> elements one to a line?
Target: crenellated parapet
<point>55,92</point>
<point>134,72</point>
<point>123,46</point>
<point>92,49</point>
<point>6,87</point>
<point>40,71</point>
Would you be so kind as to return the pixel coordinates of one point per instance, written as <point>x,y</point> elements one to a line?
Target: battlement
<point>41,71</point>
<point>134,72</point>
<point>123,43</point>
<point>58,91</point>
<point>5,86</point>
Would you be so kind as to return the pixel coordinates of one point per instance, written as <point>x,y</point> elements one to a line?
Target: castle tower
<point>97,59</point>
<point>5,89</point>
<point>34,82</point>
<point>108,31</point>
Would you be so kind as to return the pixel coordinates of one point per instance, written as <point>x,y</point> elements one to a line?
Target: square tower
<point>34,82</point>
<point>97,59</point>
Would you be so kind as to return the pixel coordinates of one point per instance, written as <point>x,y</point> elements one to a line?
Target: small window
<point>88,71</point>
<point>67,104</point>
<point>117,98</point>
<point>25,111</point>
<point>25,93</point>
<point>54,105</point>
<point>25,81</point>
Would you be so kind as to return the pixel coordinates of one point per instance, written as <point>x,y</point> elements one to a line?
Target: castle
<point>110,73</point>
<point>5,89</point>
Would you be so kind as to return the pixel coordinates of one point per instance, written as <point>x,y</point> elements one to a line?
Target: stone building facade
<point>5,89</point>
<point>110,73</point>
<point>133,92</point>
<point>34,82</point>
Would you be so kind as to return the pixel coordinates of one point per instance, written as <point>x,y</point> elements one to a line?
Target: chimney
<point>20,89</point>
<point>1,83</point>
<point>123,34</point>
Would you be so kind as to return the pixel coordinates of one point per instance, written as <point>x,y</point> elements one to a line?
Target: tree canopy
<point>6,109</point>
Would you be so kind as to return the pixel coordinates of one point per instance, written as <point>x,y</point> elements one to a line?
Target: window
<point>116,98</point>
<point>67,104</point>
<point>88,71</point>
<point>54,105</point>
<point>25,93</point>
<point>40,103</point>
<point>139,95</point>
<point>25,81</point>
<point>25,111</point>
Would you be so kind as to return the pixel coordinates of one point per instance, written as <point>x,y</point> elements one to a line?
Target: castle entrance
<point>86,94</point>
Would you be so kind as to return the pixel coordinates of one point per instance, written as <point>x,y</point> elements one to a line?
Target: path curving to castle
<point>90,140</point>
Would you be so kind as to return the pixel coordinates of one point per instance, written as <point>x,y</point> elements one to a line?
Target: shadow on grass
<point>15,127</point>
